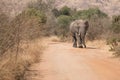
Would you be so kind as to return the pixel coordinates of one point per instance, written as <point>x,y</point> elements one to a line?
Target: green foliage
<point>114,38</point>
<point>32,12</point>
<point>116,24</point>
<point>63,22</point>
<point>87,14</point>
<point>65,11</point>
<point>30,23</point>
<point>56,12</point>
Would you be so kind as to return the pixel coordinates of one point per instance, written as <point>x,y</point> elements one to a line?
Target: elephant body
<point>78,29</point>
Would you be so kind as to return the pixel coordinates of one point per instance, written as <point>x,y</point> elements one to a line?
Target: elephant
<point>78,29</point>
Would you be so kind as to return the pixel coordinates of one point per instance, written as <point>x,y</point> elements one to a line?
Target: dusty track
<point>62,62</point>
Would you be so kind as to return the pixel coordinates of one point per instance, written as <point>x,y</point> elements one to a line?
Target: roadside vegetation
<point>20,42</point>
<point>114,38</point>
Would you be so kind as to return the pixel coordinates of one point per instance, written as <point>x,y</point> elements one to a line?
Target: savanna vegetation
<point>114,38</point>
<point>20,42</point>
<point>41,19</point>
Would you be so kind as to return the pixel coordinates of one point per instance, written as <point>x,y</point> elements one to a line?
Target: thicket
<point>88,14</point>
<point>65,11</point>
<point>62,29</point>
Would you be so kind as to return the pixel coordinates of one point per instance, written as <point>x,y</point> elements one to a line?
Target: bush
<point>117,51</point>
<point>98,28</point>
<point>114,38</point>
<point>63,28</point>
<point>64,20</point>
<point>32,12</point>
<point>31,22</point>
<point>87,14</point>
<point>116,24</point>
<point>7,34</point>
<point>65,11</point>
<point>112,42</point>
<point>56,12</point>
<point>14,66</point>
<point>16,53</point>
<point>39,5</point>
<point>47,8</point>
<point>18,46</point>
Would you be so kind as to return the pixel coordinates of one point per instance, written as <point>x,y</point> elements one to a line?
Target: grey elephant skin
<point>78,29</point>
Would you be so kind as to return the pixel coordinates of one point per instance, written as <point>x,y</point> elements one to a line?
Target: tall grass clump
<point>114,37</point>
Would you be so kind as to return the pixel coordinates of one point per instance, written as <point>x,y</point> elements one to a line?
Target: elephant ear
<point>87,24</point>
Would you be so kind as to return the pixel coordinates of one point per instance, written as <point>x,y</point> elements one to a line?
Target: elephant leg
<point>79,41</point>
<point>74,41</point>
<point>83,41</point>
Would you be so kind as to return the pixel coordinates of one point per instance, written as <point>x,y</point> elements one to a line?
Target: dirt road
<point>61,61</point>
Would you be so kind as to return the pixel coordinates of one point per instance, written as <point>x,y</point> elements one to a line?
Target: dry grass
<point>101,44</point>
<point>54,39</point>
<point>13,67</point>
<point>57,39</point>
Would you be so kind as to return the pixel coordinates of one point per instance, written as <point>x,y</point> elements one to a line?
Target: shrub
<point>64,20</point>
<point>65,11</point>
<point>116,24</point>
<point>98,28</point>
<point>87,14</point>
<point>32,12</point>
<point>117,51</point>
<point>30,23</point>
<point>112,42</point>
<point>56,12</point>
<point>7,34</point>
<point>47,8</point>
<point>15,34</point>
<point>18,48</point>
<point>13,66</point>
<point>39,5</point>
<point>114,38</point>
<point>63,28</point>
